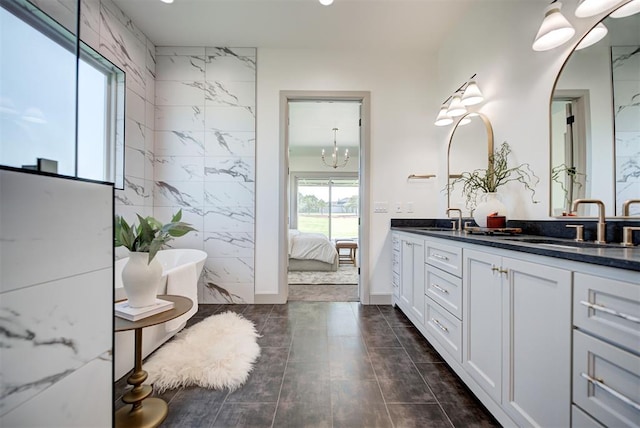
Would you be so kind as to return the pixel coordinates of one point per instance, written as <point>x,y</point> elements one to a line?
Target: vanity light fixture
<point>587,8</point>
<point>555,29</point>
<point>443,118</point>
<point>466,95</point>
<point>456,108</point>
<point>596,34</point>
<point>472,94</point>
<point>628,9</point>
<point>334,155</point>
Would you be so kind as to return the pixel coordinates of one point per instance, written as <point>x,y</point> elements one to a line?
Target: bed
<point>311,252</point>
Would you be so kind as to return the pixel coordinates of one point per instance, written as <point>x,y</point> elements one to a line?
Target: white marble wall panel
<point>180,118</point>
<point>626,91</point>
<point>219,143</point>
<point>135,107</point>
<point>135,164</point>
<point>226,119</point>
<point>229,244</point>
<point>179,143</point>
<point>180,168</point>
<point>32,233</point>
<point>229,169</point>
<point>65,404</point>
<point>205,159</point>
<point>235,194</point>
<point>56,294</point>
<point>179,67</point>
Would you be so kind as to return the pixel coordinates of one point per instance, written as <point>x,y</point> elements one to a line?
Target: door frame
<point>364,180</point>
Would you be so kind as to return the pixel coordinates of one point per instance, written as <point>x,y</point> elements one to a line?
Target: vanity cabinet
<point>606,350</point>
<point>517,335</point>
<point>410,295</point>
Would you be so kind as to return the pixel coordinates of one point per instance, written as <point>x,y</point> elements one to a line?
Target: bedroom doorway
<point>324,188</point>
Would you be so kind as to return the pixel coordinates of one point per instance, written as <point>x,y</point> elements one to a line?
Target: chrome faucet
<point>625,206</point>
<point>601,229</point>
<point>460,225</point>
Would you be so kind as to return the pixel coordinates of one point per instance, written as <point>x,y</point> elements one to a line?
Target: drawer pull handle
<point>440,289</point>
<point>440,326</point>
<point>610,311</point>
<point>600,383</point>
<point>440,257</point>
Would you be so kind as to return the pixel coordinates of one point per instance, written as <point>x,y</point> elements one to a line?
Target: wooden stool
<point>349,258</point>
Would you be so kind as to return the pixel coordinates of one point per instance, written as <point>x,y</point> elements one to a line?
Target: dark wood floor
<point>330,364</point>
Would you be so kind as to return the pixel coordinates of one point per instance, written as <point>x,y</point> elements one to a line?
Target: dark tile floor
<point>331,364</point>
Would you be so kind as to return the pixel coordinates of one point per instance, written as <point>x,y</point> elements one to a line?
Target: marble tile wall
<point>626,96</point>
<point>205,160</point>
<point>55,301</point>
<point>104,27</point>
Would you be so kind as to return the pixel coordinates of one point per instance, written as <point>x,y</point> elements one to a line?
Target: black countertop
<point>611,255</point>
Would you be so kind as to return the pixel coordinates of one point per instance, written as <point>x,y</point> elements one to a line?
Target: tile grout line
<point>286,364</point>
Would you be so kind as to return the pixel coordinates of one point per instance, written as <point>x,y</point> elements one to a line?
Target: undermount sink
<point>548,242</point>
<point>436,229</point>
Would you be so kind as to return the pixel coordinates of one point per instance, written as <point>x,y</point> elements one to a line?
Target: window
<point>40,115</point>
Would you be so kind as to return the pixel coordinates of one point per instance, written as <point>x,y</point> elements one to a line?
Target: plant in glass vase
<point>142,272</point>
<point>480,186</point>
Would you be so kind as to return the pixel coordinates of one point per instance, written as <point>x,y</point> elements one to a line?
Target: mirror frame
<point>490,145</point>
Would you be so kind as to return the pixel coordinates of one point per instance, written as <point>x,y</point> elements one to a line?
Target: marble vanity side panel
<point>205,160</point>
<point>626,91</point>
<point>56,294</point>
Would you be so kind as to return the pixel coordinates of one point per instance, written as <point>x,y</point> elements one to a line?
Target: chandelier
<point>334,155</point>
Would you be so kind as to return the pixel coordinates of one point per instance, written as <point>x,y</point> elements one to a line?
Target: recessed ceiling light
<point>326,2</point>
<point>166,1</point>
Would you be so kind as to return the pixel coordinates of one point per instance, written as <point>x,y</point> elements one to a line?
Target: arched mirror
<point>470,143</point>
<point>595,123</point>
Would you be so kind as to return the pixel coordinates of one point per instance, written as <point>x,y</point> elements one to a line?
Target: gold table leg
<point>154,410</point>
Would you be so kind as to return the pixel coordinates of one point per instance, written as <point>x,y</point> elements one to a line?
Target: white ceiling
<point>346,24</point>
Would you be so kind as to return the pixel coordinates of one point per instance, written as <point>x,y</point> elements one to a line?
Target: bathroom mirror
<point>595,123</point>
<point>470,143</point>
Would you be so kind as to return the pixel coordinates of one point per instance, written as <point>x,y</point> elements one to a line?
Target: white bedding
<point>315,246</point>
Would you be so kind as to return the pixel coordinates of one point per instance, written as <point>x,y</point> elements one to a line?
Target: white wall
<point>400,142</point>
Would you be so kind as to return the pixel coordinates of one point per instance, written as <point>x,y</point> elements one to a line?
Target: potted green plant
<point>142,272</point>
<point>480,182</point>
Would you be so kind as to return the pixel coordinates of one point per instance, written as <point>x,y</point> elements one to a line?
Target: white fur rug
<point>218,352</point>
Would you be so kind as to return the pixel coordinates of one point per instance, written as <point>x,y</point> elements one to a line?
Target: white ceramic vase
<point>489,203</point>
<point>141,279</point>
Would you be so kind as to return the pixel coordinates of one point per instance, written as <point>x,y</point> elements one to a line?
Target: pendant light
<point>596,34</point>
<point>472,94</point>
<point>628,9</point>
<point>555,29</point>
<point>587,8</point>
<point>456,108</point>
<point>443,118</point>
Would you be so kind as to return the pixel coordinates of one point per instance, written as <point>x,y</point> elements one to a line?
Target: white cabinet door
<point>537,342</point>
<point>482,321</point>
<point>417,302</point>
<point>406,274</point>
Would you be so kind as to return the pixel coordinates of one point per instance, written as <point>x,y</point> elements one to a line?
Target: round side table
<point>154,410</point>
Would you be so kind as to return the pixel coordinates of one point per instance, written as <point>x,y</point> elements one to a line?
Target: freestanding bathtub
<point>152,337</point>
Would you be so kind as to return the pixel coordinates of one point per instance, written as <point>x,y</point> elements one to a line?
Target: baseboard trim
<point>269,299</point>
<point>380,299</point>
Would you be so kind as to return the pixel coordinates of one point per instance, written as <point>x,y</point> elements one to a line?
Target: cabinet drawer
<point>606,381</point>
<point>445,257</point>
<point>580,419</point>
<point>395,262</point>
<point>445,289</point>
<point>608,308</point>
<point>444,327</point>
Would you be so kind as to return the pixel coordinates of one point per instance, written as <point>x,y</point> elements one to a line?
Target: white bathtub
<point>152,337</point>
